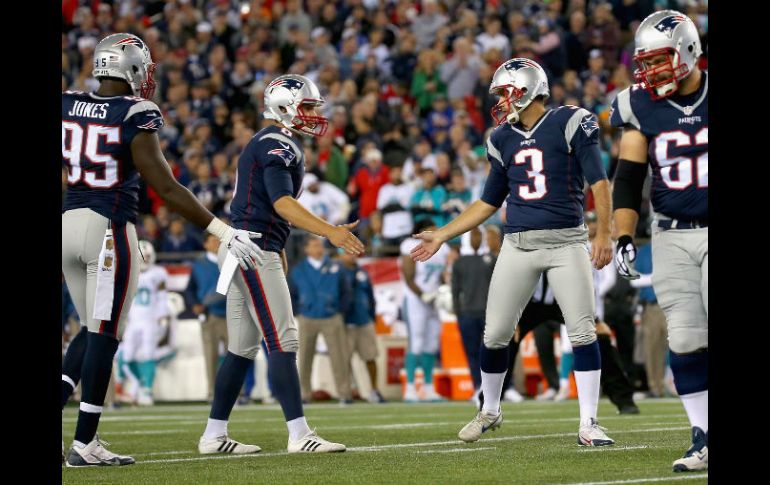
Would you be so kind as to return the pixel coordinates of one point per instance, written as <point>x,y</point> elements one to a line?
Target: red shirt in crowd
<point>368,184</point>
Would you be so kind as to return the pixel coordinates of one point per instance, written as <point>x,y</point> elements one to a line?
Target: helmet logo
<point>293,85</point>
<point>130,41</point>
<point>668,24</point>
<point>520,64</point>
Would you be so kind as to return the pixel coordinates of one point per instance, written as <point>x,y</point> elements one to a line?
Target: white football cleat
<point>547,395</point>
<point>563,393</point>
<point>697,457</point>
<point>223,444</point>
<point>411,394</point>
<point>145,397</point>
<point>312,443</point>
<point>480,424</point>
<point>429,394</point>
<point>512,395</point>
<point>95,454</point>
<point>591,434</point>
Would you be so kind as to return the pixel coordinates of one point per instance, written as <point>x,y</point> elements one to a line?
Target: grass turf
<point>394,443</point>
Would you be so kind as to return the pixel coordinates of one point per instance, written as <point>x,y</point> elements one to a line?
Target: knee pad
<point>687,340</point>
<point>498,336</point>
<point>247,353</point>
<point>582,333</point>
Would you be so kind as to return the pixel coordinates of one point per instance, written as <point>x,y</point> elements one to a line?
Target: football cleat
<point>312,443</point>
<point>592,434</point>
<point>479,425</point>
<point>223,444</point>
<point>95,454</point>
<point>697,457</point>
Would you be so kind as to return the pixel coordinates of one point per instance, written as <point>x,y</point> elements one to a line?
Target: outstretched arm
<point>471,217</point>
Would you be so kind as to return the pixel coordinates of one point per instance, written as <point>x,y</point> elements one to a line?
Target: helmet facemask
<point>505,109</point>
<point>646,72</point>
<point>307,123</point>
<point>148,85</point>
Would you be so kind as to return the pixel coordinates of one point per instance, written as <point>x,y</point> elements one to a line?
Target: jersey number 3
<point>535,157</point>
<point>74,152</point>
<point>684,164</point>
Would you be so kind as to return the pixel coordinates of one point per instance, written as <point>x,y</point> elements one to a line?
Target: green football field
<point>395,443</point>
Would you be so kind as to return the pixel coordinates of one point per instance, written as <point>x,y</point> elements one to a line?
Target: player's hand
<point>342,237</point>
<point>240,245</point>
<point>625,255</point>
<point>431,242</point>
<point>429,297</point>
<point>601,250</point>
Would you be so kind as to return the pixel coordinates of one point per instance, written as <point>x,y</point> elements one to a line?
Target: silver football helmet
<point>125,56</point>
<point>666,33</point>
<point>287,97</point>
<point>522,80</point>
<point>148,253</point>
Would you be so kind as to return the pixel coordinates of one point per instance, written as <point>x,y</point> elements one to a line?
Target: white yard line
<point>645,480</point>
<point>376,448</point>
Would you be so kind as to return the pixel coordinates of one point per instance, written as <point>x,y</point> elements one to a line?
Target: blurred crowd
<point>406,84</point>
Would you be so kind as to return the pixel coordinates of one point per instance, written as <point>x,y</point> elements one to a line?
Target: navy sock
<point>691,371</point>
<point>228,385</point>
<point>284,382</point>
<point>73,364</point>
<point>97,369</point>
<point>493,361</point>
<point>587,357</point>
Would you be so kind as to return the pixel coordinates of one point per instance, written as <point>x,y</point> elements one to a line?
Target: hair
<point>422,225</point>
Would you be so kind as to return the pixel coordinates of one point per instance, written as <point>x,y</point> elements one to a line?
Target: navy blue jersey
<point>96,135</point>
<point>270,167</point>
<point>542,171</point>
<point>678,135</point>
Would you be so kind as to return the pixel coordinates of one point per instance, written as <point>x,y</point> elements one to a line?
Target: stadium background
<point>409,78</point>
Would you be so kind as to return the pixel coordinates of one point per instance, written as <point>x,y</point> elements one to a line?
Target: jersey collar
<point>528,134</point>
<point>688,110</point>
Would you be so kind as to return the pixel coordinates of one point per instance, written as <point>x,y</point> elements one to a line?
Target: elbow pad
<point>627,186</point>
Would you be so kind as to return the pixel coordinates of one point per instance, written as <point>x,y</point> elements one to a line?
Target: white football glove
<point>239,244</point>
<point>429,297</point>
<point>625,255</point>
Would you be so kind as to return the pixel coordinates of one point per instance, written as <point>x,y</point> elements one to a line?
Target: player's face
<point>315,248</point>
<point>658,61</point>
<point>313,122</point>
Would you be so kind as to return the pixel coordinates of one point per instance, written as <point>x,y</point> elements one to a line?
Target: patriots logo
<point>286,153</point>
<point>130,41</point>
<point>668,24</point>
<point>519,64</point>
<point>293,85</point>
<point>589,124</point>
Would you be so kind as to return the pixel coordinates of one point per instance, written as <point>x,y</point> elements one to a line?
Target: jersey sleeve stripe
<point>141,107</point>
<point>285,139</point>
<point>624,107</point>
<point>573,124</point>
<point>494,152</point>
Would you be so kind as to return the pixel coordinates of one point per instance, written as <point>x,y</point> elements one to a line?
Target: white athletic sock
<point>492,386</point>
<point>697,407</point>
<point>297,428</point>
<point>215,428</point>
<point>588,393</point>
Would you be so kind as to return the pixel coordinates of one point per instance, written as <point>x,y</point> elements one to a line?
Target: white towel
<point>105,279</point>
<point>226,273</point>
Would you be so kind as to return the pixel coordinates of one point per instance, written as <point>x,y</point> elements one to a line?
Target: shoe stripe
<point>306,444</point>
<point>222,446</point>
<point>228,447</point>
<point>316,446</point>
